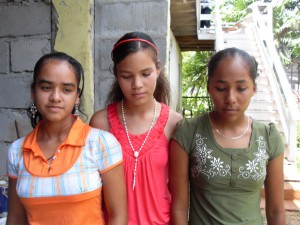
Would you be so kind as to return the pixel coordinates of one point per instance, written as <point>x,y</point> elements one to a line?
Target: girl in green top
<point>220,160</point>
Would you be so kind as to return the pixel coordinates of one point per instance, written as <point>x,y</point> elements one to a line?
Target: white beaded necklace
<point>136,153</point>
<point>231,138</point>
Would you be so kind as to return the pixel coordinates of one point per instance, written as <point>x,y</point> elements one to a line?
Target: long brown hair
<point>122,48</point>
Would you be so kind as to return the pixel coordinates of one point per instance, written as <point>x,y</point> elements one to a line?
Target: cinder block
<point>25,19</point>
<point>149,16</point>
<point>26,52</point>
<point>8,132</point>
<point>104,85</point>
<point>14,125</point>
<point>15,92</point>
<point>3,153</point>
<point>103,56</point>
<point>4,57</point>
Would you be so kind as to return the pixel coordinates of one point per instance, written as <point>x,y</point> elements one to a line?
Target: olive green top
<point>225,183</point>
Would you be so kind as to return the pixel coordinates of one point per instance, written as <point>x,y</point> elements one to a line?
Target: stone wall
<point>25,35</point>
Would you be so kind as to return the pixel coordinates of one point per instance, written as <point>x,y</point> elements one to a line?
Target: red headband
<point>134,39</point>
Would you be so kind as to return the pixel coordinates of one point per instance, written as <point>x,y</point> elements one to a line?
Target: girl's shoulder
<point>17,144</point>
<point>264,128</point>
<point>172,118</point>
<point>193,121</point>
<point>100,120</point>
<point>97,135</point>
<point>175,116</point>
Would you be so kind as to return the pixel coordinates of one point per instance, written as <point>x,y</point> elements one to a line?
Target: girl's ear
<point>77,99</point>
<point>158,67</point>
<point>32,95</point>
<point>254,89</point>
<point>207,88</point>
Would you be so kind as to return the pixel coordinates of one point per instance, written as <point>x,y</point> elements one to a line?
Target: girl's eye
<point>45,88</point>
<point>241,89</point>
<point>146,74</point>
<point>220,89</point>
<point>66,90</point>
<point>125,76</point>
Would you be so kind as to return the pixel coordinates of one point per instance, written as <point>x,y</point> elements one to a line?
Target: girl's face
<point>56,90</point>
<point>137,76</point>
<point>231,87</point>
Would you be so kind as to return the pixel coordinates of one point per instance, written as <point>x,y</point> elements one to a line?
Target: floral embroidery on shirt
<point>255,169</point>
<point>202,155</point>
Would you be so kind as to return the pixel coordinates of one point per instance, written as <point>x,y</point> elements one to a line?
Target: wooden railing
<point>284,98</point>
<point>214,30</point>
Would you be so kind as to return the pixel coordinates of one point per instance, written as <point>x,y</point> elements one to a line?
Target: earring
<point>33,110</point>
<point>76,111</point>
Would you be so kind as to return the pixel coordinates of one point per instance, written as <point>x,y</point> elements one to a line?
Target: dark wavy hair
<point>61,56</point>
<point>120,51</point>
<point>233,52</point>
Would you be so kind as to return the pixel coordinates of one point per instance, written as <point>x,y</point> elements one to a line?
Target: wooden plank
<point>183,7</point>
<point>184,20</point>
<point>184,15</point>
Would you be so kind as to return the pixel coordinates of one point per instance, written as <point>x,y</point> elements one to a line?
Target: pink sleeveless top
<point>149,202</point>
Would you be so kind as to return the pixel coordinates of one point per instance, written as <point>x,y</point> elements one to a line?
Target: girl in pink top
<point>142,122</point>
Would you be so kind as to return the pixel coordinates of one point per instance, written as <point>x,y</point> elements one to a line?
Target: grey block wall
<point>25,35</point>
<point>115,18</point>
<point>27,31</point>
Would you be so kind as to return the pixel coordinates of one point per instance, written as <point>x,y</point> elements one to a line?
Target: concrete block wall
<point>25,35</point>
<point>113,19</point>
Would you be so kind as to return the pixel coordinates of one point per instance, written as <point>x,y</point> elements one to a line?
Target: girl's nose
<point>55,95</point>
<point>137,82</point>
<point>230,97</point>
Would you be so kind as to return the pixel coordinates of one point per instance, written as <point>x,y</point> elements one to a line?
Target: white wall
<point>174,73</point>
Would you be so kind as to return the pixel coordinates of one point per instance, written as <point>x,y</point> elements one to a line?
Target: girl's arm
<point>274,185</point>
<point>115,195</point>
<point>16,212</point>
<point>179,184</point>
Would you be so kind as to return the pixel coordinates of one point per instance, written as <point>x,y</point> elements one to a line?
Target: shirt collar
<point>76,136</point>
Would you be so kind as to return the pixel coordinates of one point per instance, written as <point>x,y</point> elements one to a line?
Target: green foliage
<point>234,10</point>
<point>298,135</point>
<point>194,77</point>
<point>286,24</point>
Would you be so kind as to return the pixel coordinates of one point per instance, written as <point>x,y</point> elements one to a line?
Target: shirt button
<point>234,157</point>
<point>58,151</point>
<point>233,170</point>
<point>54,157</point>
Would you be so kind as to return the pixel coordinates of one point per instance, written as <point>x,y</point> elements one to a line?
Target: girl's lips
<point>54,108</point>
<point>138,94</point>
<point>229,111</point>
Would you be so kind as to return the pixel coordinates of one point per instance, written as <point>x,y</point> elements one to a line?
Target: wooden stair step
<point>291,185</point>
<point>291,190</point>
<point>289,205</point>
